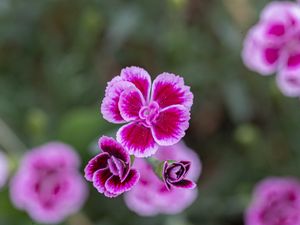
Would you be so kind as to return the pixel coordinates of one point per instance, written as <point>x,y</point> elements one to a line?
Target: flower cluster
<point>47,184</point>
<point>155,114</point>
<point>273,45</point>
<point>276,201</point>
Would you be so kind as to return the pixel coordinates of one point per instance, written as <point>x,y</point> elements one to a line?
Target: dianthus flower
<point>156,114</point>
<point>110,170</point>
<point>47,184</point>
<point>275,201</point>
<point>274,42</point>
<point>273,45</point>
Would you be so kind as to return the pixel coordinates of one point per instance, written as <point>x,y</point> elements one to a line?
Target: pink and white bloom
<point>47,184</point>
<point>156,114</point>
<point>273,43</point>
<point>4,169</point>
<point>151,197</point>
<point>288,81</point>
<point>110,170</point>
<point>275,201</point>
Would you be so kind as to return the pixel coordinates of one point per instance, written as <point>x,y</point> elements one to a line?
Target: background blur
<point>57,55</point>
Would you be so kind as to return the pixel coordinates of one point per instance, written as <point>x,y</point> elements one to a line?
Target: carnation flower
<point>275,201</point>
<point>156,114</point>
<point>110,170</point>
<point>151,197</point>
<point>274,42</point>
<point>47,184</point>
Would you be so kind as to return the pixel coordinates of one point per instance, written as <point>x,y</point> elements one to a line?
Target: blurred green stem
<point>79,219</point>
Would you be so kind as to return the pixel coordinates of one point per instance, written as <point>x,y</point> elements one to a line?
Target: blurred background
<point>56,57</point>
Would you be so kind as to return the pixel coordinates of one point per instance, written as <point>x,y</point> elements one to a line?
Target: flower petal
<point>111,146</point>
<point>169,89</point>
<point>99,179</point>
<point>139,77</point>
<point>111,83</point>
<point>109,107</point>
<point>187,165</point>
<point>293,60</point>
<point>259,54</point>
<point>130,103</point>
<point>137,139</point>
<point>165,167</point>
<point>281,11</point>
<point>121,167</point>
<point>109,194</point>
<point>188,184</point>
<point>115,186</point>
<point>96,163</point>
<point>288,81</point>
<point>171,124</point>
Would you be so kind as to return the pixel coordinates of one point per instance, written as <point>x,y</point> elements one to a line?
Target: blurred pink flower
<point>47,184</point>
<point>288,81</point>
<point>151,197</point>
<point>276,201</point>
<point>159,119</point>
<point>110,170</point>
<point>3,169</point>
<point>273,43</point>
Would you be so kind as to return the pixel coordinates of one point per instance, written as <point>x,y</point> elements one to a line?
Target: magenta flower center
<point>176,172</point>
<point>277,30</point>
<point>48,187</point>
<point>290,42</point>
<point>149,113</point>
<point>116,166</point>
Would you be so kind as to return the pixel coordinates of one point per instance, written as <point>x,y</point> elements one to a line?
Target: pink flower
<point>110,171</point>
<point>154,116</point>
<point>276,201</point>
<point>151,197</point>
<point>288,81</point>
<point>274,42</point>
<point>47,184</point>
<point>174,175</point>
<point>3,169</point>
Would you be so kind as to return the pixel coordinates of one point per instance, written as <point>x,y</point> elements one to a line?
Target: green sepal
<point>132,158</point>
<point>157,166</point>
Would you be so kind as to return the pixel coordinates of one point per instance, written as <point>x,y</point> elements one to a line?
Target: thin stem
<point>79,219</point>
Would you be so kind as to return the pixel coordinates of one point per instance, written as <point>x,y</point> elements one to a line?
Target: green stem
<point>132,158</point>
<point>79,219</point>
